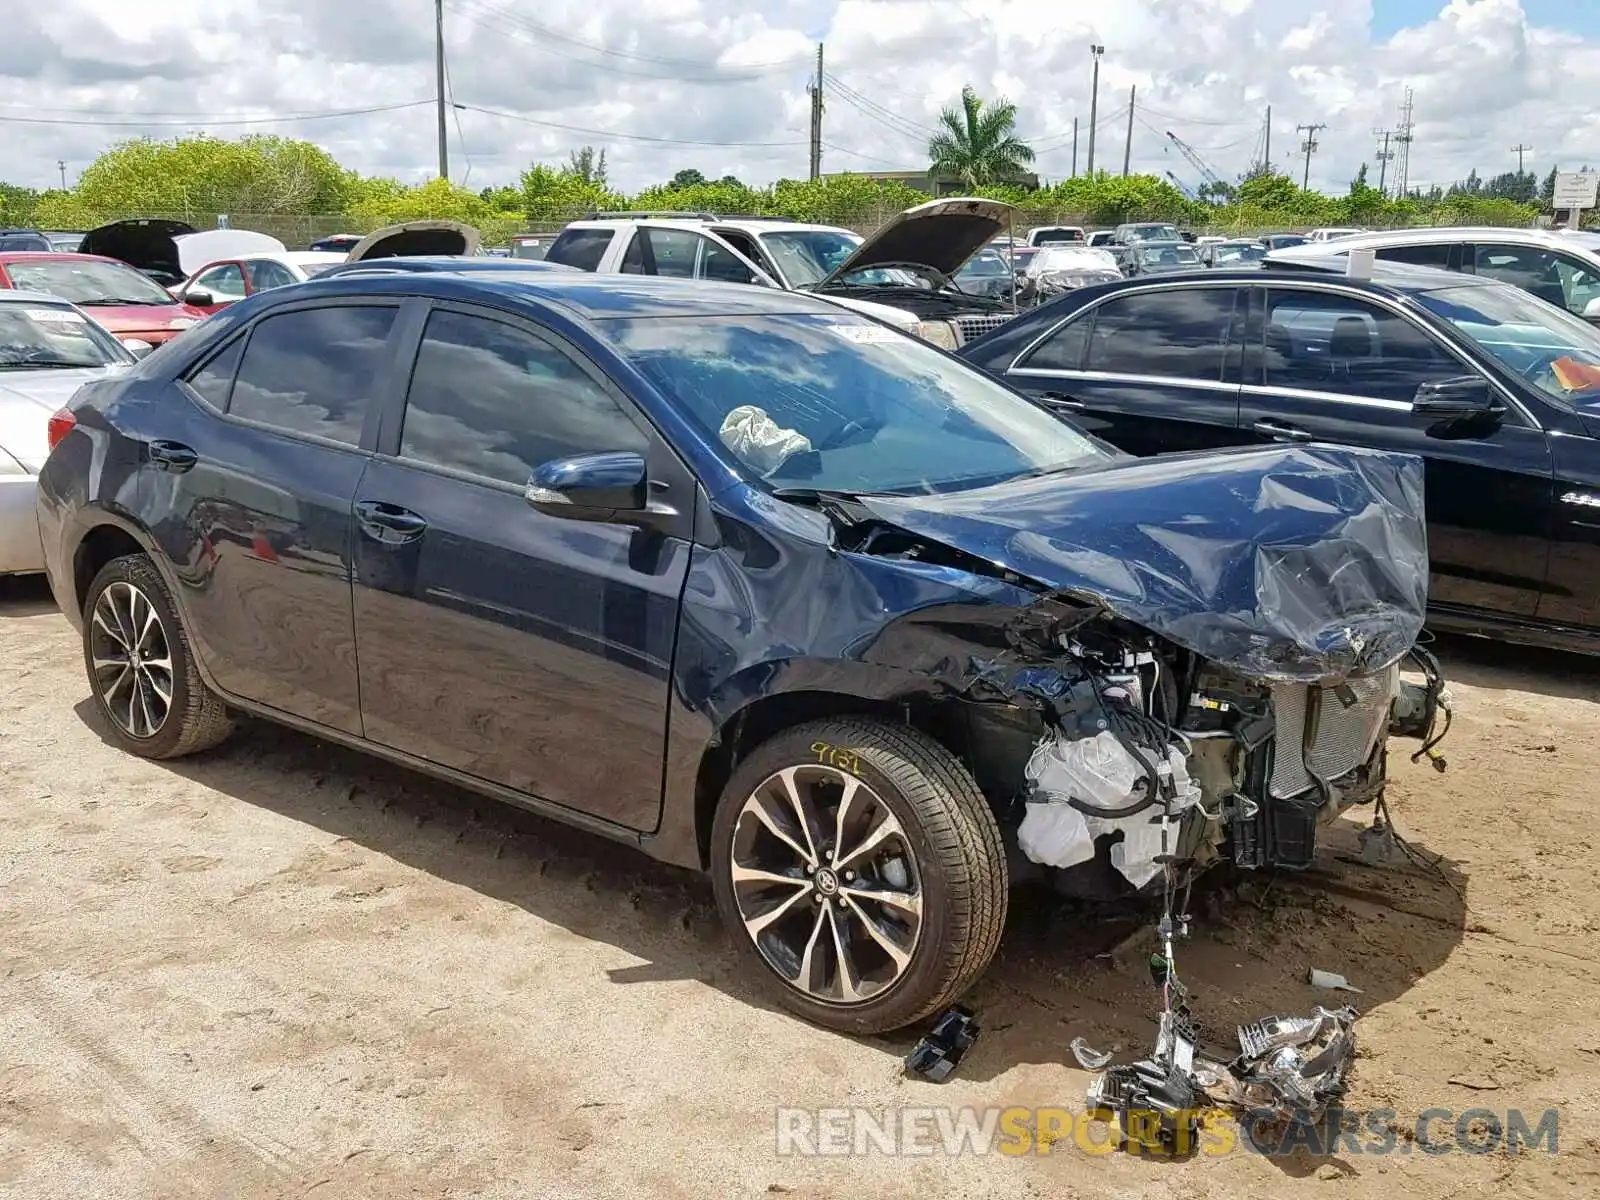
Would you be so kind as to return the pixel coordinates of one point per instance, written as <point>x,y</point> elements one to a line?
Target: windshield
<point>1074,259</point>
<point>35,336</point>
<point>87,281</point>
<point>1229,252</point>
<point>1056,237</point>
<point>1167,256</point>
<point>833,403</point>
<point>1552,349</point>
<point>1154,233</point>
<point>987,263</point>
<point>807,256</point>
<point>533,250</point>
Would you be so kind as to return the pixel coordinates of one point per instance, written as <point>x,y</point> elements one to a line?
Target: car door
<point>1558,278</point>
<point>1152,370</point>
<point>248,491</point>
<point>225,281</point>
<point>528,650</point>
<point>1335,365</point>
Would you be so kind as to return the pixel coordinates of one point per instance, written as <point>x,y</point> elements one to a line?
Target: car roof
<point>1468,233</point>
<point>596,297</point>
<point>25,296</point>
<point>701,222</point>
<point>62,255</point>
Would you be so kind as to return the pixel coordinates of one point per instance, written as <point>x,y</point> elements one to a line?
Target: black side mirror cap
<point>199,297</point>
<point>591,486</point>
<point>1460,398</point>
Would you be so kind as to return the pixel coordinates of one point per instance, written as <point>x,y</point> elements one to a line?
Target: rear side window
<point>493,400</point>
<point>581,248</point>
<point>1421,256</point>
<point>312,371</point>
<point>213,379</point>
<point>1176,332</point>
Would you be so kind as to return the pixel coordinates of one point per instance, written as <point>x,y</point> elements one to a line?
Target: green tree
<point>978,143</point>
<point>17,204</point>
<point>550,194</point>
<point>588,165</point>
<point>1547,189</point>
<point>437,199</point>
<point>687,178</point>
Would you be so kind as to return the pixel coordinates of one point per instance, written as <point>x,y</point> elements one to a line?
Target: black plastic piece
<point>1292,830</point>
<point>941,1052</point>
<point>1148,1087</point>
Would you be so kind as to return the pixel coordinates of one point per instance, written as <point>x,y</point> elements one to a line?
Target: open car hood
<point>196,250</point>
<point>146,243</point>
<point>1285,563</point>
<point>415,238</point>
<point>941,234</point>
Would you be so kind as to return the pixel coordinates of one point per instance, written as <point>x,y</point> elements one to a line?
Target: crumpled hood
<point>941,234</point>
<point>1284,563</point>
<point>27,401</point>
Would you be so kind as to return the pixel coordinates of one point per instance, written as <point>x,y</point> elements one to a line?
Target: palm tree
<point>979,145</point>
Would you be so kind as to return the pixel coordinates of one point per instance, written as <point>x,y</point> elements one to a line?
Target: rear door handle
<point>1061,400</point>
<point>172,456</point>
<point>1277,429</point>
<point>389,523</point>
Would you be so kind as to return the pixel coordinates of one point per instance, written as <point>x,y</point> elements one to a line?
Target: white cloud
<point>734,74</point>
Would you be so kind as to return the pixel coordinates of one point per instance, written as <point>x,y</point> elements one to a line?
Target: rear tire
<point>874,922</point>
<point>142,668</point>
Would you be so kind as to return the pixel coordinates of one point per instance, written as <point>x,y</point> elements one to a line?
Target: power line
<point>612,133</point>
<point>1309,146</point>
<point>1176,119</point>
<point>1519,150</point>
<point>202,121</point>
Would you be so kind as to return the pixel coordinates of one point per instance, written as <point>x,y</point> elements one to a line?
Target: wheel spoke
<point>151,622</point>
<point>808,961</point>
<point>163,694</point>
<point>114,634</point>
<point>906,902</point>
<point>792,793</point>
<point>744,874</point>
<point>849,987</point>
<point>898,954</point>
<point>852,785</point>
<point>101,663</point>
<point>760,924</point>
<point>887,828</point>
<point>758,808</point>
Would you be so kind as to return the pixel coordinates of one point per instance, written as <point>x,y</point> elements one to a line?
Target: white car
<point>902,274</point>
<point>1560,267</point>
<point>1333,233</point>
<point>1057,269</point>
<point>48,350</point>
<point>227,281</point>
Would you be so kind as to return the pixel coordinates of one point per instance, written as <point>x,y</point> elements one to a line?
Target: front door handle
<point>172,456</point>
<point>1061,400</point>
<point>1277,429</point>
<point>389,523</point>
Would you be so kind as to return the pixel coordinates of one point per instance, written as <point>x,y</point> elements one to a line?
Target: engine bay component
<point>947,1043</point>
<point>1291,1068</point>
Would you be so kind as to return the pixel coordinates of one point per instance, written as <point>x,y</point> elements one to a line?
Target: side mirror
<point>1591,310</point>
<point>590,486</point>
<point>137,347</point>
<point>199,297</point>
<point>1458,399</point>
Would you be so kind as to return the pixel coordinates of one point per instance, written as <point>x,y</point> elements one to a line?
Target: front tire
<point>141,667</point>
<point>860,870</point>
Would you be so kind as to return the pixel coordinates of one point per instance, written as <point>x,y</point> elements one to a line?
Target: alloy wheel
<point>826,884</point>
<point>131,660</point>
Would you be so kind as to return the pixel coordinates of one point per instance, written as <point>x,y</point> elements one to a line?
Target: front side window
<point>88,282</point>
<point>581,248</point>
<point>721,265</point>
<point>1553,350</point>
<point>312,370</point>
<point>224,283</point>
<point>1178,332</point>
<point>264,273</point>
<point>833,403</point>
<point>674,251</point>
<point>1327,342</point>
<point>493,400</point>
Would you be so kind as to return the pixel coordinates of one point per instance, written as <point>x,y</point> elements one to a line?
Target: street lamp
<point>1094,102</point>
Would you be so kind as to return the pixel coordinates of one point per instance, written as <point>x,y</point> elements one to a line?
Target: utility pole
<point>1403,138</point>
<point>438,64</point>
<point>61,165</point>
<point>1266,152</point>
<point>1310,147</point>
<point>1074,147</point>
<point>1519,150</point>
<point>1383,156</point>
<point>815,88</point>
<point>1094,102</point>
<point>1127,146</point>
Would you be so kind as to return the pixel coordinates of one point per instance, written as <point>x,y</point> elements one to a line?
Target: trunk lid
<point>412,238</point>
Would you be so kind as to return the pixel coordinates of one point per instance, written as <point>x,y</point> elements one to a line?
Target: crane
<point>1195,161</point>
<point>1183,187</point>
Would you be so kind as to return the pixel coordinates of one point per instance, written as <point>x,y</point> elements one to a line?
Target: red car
<point>129,303</point>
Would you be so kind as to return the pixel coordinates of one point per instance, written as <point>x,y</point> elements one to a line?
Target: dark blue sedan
<point>746,579</point>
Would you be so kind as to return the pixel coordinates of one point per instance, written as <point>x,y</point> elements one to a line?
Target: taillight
<point>60,425</point>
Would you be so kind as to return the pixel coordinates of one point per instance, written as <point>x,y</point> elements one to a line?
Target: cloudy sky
<point>721,84</point>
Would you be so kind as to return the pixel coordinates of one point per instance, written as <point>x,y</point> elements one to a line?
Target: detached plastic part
<point>941,1052</point>
<point>1149,1087</point>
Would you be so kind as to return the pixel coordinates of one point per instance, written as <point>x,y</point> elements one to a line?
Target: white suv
<point>903,274</point>
<point>1562,268</point>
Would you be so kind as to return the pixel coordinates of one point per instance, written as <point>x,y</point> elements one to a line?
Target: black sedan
<point>1498,392</point>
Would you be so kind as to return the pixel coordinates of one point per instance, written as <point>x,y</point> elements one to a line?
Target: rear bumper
<point>21,551</point>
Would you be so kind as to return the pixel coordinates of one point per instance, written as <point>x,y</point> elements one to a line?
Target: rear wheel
<point>141,667</point>
<point>860,870</point>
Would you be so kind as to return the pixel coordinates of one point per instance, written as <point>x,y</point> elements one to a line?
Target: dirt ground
<point>282,969</point>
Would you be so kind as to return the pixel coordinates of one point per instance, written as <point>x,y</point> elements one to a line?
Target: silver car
<point>48,349</point>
